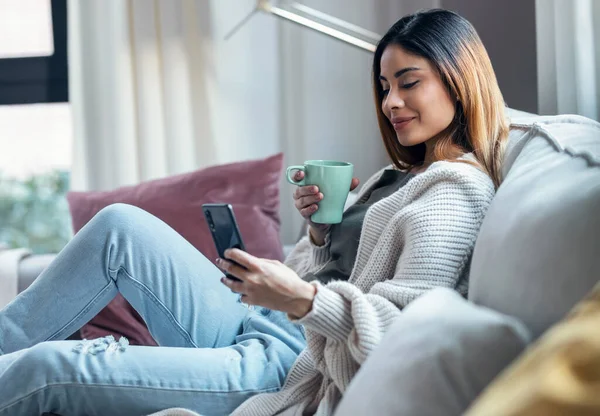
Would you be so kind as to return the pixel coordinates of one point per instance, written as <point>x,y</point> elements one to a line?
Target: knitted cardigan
<point>418,238</point>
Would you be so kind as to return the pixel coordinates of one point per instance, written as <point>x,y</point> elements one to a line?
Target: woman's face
<point>415,100</point>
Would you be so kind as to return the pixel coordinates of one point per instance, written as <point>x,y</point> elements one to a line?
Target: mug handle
<point>289,178</point>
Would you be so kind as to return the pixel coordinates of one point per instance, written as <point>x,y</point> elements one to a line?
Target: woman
<point>441,115</point>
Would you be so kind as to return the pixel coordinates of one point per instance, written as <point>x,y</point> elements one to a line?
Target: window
<point>33,51</point>
<point>36,137</point>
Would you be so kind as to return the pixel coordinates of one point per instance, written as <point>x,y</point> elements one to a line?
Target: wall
<point>507,29</point>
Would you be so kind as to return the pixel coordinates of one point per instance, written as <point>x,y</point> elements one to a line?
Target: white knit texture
<point>418,238</point>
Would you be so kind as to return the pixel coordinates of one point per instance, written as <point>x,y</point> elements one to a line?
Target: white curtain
<point>138,91</point>
<point>156,90</point>
<point>568,48</point>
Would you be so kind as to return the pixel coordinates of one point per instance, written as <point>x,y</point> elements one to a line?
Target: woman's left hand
<point>267,283</point>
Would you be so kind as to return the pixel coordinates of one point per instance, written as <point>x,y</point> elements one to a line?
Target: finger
<point>305,191</point>
<point>236,287</point>
<point>354,184</point>
<point>232,269</point>
<point>246,260</point>
<point>308,211</point>
<point>306,201</point>
<point>298,176</point>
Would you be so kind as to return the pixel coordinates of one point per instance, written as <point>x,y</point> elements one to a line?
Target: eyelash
<point>405,86</point>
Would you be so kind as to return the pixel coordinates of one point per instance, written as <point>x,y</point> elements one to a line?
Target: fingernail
<point>314,189</point>
<point>218,261</point>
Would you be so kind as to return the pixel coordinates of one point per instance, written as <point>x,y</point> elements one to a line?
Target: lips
<point>401,122</point>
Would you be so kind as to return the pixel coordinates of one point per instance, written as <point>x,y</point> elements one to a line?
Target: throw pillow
<point>435,359</point>
<point>558,375</point>
<point>251,187</point>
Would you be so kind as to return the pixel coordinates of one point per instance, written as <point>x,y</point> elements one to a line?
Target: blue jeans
<point>214,352</point>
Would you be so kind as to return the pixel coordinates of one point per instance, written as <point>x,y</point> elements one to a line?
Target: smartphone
<point>224,230</point>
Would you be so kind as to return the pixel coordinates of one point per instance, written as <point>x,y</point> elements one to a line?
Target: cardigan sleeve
<point>307,257</point>
<point>436,233</point>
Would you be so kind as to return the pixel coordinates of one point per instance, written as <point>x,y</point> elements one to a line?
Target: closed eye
<point>409,86</point>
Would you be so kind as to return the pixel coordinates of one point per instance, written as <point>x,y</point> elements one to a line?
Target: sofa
<point>537,255</point>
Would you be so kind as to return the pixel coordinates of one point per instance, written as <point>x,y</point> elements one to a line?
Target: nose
<point>393,100</point>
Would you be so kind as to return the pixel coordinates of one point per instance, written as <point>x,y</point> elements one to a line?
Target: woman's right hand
<point>306,200</point>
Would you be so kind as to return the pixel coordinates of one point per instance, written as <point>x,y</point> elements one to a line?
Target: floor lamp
<point>318,21</point>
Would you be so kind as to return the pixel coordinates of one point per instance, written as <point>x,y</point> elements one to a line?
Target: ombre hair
<point>454,48</point>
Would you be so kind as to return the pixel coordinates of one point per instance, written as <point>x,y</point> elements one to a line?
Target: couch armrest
<point>31,267</point>
<point>9,273</point>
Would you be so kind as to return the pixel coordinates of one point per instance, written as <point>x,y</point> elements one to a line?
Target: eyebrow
<point>401,72</point>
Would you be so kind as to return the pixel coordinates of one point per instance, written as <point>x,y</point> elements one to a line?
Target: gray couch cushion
<point>538,251</point>
<point>436,358</point>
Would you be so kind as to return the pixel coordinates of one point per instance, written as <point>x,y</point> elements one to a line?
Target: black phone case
<point>224,230</point>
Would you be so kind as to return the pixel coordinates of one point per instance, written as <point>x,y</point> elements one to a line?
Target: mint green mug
<point>333,179</point>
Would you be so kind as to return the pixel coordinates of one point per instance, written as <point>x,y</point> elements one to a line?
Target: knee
<point>118,212</point>
<point>120,224</point>
<point>116,216</point>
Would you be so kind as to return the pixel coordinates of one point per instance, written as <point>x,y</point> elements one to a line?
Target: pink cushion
<point>251,187</point>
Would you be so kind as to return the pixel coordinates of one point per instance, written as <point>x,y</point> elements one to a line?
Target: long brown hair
<point>454,48</point>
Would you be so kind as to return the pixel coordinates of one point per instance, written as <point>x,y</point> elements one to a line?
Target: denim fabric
<point>214,352</point>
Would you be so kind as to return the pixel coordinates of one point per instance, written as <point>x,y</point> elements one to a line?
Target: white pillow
<point>435,360</point>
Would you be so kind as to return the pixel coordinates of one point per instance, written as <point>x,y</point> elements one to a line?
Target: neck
<point>429,157</point>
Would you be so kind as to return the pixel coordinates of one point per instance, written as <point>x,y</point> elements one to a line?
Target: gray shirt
<point>346,235</point>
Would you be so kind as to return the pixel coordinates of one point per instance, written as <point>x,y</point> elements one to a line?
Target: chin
<point>408,141</point>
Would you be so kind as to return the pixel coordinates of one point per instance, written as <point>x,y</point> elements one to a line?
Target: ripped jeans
<point>214,352</point>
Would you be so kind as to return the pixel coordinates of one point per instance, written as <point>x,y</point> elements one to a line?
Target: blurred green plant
<point>34,212</point>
